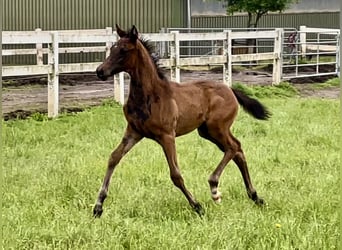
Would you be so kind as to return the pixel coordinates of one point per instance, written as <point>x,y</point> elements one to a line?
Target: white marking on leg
<point>216,195</point>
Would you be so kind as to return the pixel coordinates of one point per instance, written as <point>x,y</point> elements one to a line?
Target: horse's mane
<point>155,58</point>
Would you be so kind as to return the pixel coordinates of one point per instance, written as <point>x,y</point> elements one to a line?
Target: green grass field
<point>54,168</point>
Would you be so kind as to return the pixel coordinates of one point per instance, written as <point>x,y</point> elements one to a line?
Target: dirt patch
<point>305,70</point>
<point>23,96</point>
<point>307,90</point>
<point>22,101</point>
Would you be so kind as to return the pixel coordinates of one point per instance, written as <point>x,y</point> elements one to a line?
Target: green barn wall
<point>147,15</point>
<point>291,20</point>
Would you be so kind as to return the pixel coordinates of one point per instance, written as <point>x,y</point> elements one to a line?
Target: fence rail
<point>53,44</point>
<point>318,47</point>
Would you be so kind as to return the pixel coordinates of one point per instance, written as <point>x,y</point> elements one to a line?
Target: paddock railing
<point>310,52</point>
<point>48,46</point>
<point>52,40</point>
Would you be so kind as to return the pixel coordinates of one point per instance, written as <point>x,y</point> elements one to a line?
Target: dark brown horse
<point>162,110</point>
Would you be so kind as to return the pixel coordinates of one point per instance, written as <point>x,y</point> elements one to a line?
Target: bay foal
<point>162,110</point>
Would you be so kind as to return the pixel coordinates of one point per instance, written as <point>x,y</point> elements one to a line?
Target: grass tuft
<point>281,90</point>
<point>334,82</point>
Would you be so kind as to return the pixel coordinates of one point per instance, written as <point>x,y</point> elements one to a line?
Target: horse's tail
<point>252,106</point>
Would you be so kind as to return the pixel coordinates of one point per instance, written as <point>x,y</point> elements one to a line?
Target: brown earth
<point>22,96</point>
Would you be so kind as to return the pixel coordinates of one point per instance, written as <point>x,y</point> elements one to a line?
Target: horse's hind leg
<point>128,141</point>
<point>240,161</point>
<point>215,176</point>
<point>225,144</point>
<point>232,150</point>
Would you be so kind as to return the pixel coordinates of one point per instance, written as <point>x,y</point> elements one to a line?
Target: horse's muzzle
<point>100,74</point>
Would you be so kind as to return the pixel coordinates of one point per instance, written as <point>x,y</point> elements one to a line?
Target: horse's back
<point>204,93</point>
<point>202,101</point>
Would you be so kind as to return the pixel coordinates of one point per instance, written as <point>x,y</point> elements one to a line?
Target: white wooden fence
<point>53,68</point>
<point>107,37</point>
<point>303,31</point>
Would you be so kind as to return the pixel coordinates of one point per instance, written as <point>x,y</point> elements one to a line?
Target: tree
<point>256,8</point>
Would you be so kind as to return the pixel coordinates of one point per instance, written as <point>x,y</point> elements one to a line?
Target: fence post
<point>163,45</point>
<point>116,88</point>
<point>39,47</point>
<point>227,52</point>
<point>302,40</point>
<point>119,88</point>
<point>277,61</point>
<point>109,44</point>
<point>119,84</point>
<point>53,95</point>
<point>115,79</point>
<point>338,54</point>
<point>174,56</point>
<point>122,87</point>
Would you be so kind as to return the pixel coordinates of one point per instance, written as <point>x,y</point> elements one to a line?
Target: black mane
<point>154,56</point>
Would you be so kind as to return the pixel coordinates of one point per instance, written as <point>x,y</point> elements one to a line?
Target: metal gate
<point>306,52</point>
<point>310,52</point>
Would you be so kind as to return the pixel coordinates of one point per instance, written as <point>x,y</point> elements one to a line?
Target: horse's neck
<point>144,77</point>
<point>144,86</point>
<point>137,95</point>
<point>146,81</point>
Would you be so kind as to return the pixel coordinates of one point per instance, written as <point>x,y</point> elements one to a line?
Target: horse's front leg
<point>168,144</point>
<point>128,141</point>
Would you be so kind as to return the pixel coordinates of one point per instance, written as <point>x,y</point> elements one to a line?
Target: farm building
<point>312,13</point>
<point>148,15</point>
<point>152,15</point>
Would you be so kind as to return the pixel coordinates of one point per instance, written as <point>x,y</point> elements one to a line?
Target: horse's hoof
<point>97,211</point>
<point>217,197</point>
<point>199,209</point>
<point>218,200</point>
<point>260,201</point>
<point>257,200</point>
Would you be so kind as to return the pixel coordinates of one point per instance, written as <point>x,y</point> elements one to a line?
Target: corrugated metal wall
<point>288,20</point>
<point>147,15</point>
<point>293,20</point>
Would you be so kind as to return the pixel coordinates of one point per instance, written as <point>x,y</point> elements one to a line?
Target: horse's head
<point>122,54</point>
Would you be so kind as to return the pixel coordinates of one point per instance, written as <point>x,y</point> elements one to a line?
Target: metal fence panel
<point>308,53</point>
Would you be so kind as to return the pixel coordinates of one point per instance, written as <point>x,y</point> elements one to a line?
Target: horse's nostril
<point>99,72</point>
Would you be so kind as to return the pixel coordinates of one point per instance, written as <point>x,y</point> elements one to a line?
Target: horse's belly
<point>188,122</point>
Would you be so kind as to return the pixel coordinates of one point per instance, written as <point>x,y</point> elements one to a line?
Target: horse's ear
<point>133,34</point>
<point>120,32</point>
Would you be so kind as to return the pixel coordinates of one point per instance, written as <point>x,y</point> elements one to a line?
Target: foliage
<point>334,82</point>
<point>256,8</point>
<point>39,117</point>
<point>53,170</point>
<point>283,89</point>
